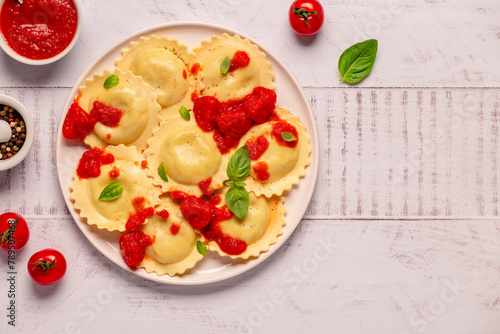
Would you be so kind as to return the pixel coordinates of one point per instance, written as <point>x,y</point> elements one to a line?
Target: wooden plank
<point>422,44</point>
<point>418,139</point>
<point>330,276</point>
<point>384,153</point>
<point>405,152</point>
<point>32,188</point>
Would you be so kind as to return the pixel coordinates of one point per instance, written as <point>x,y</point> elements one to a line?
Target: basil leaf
<point>356,62</point>
<point>201,247</point>
<point>111,192</point>
<point>185,113</point>
<point>161,172</point>
<point>288,136</point>
<point>226,64</point>
<point>237,200</point>
<point>238,167</point>
<point>240,184</point>
<point>111,81</point>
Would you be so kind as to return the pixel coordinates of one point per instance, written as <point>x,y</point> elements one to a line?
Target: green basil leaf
<point>111,192</point>
<point>226,64</point>
<point>185,113</point>
<point>237,200</point>
<point>356,62</point>
<point>235,184</point>
<point>111,81</point>
<point>201,247</point>
<point>238,167</point>
<point>162,173</point>
<point>288,136</point>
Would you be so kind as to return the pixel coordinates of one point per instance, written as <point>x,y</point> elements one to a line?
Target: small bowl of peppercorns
<point>16,132</point>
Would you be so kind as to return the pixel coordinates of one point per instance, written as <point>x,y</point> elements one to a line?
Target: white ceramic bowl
<point>30,133</point>
<point>22,59</point>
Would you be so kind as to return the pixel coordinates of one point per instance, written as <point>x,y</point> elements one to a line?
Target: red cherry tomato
<point>306,17</point>
<point>47,266</point>
<point>13,235</point>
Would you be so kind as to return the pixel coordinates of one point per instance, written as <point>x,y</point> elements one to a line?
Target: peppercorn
<point>18,137</point>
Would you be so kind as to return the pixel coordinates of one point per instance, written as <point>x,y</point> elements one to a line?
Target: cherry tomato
<point>47,266</point>
<point>306,17</point>
<point>14,233</point>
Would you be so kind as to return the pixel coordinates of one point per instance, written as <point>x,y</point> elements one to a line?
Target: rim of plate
<point>312,168</point>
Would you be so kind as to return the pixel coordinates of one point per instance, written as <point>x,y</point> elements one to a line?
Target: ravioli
<point>189,156</point>
<point>160,154</point>
<point>237,83</point>
<point>133,97</point>
<point>174,242</point>
<point>166,65</point>
<point>260,228</point>
<point>285,165</point>
<point>113,215</point>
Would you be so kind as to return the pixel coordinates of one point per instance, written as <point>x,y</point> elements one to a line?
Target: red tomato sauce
<point>273,117</point>
<point>194,95</point>
<point>260,104</point>
<point>202,214</point>
<point>107,115</point>
<point>133,247</point>
<point>282,126</point>
<point>195,68</point>
<point>114,173</point>
<point>213,231</point>
<point>144,163</point>
<point>179,194</point>
<point>257,147</point>
<point>184,74</point>
<point>91,161</point>
<point>78,123</point>
<point>38,29</point>
<point>261,169</point>
<point>174,228</point>
<point>141,214</point>
<point>215,200</point>
<point>162,213</point>
<point>232,119</point>
<point>197,211</point>
<point>240,59</point>
<point>205,186</point>
<point>205,110</point>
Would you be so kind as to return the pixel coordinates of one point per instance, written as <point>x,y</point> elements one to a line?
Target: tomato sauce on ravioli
<point>233,118</point>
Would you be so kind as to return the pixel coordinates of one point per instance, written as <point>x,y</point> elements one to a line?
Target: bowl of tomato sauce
<point>39,32</point>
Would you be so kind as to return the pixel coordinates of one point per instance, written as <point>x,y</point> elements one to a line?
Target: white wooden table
<point>403,232</point>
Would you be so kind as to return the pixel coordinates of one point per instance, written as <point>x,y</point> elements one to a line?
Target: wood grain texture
<point>371,277</point>
<point>384,153</point>
<point>406,152</point>
<point>402,234</point>
<point>423,43</point>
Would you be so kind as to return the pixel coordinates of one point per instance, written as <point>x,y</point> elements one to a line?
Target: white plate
<point>213,268</point>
